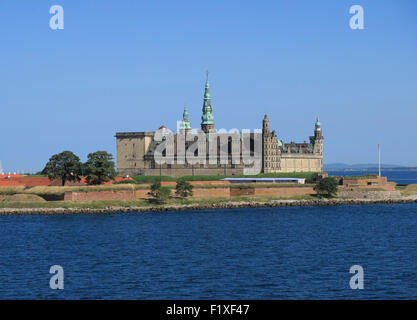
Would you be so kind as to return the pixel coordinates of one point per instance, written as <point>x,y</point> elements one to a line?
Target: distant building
<point>135,150</point>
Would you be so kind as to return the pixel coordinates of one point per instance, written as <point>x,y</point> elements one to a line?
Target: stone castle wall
<point>199,193</point>
<point>135,156</point>
<point>370,194</point>
<point>301,163</point>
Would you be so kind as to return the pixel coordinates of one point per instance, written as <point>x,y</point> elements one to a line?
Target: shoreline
<point>220,205</point>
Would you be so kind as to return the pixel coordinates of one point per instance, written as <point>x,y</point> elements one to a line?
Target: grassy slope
<point>100,204</point>
<point>43,190</point>
<point>61,190</point>
<point>408,190</point>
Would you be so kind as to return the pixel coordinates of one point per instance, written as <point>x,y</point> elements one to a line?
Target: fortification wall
<point>386,187</point>
<point>222,192</point>
<point>197,193</point>
<point>99,195</point>
<point>211,193</point>
<point>366,194</point>
<point>284,192</point>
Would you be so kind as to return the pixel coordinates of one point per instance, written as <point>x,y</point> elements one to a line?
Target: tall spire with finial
<point>207,119</point>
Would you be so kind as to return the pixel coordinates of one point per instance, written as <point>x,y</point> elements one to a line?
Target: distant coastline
<point>370,169</point>
<point>366,167</point>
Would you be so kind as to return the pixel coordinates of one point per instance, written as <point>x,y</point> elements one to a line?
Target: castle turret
<point>271,161</point>
<point>318,138</point>
<point>185,123</point>
<point>265,124</point>
<point>317,129</point>
<point>207,119</point>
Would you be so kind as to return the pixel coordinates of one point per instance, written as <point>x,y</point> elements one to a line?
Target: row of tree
<point>98,168</point>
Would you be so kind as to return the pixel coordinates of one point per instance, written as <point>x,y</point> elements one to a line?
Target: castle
<point>136,150</point>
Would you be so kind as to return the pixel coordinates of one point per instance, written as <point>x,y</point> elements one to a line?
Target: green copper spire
<point>318,122</point>
<point>185,123</point>
<point>207,119</point>
<point>185,114</point>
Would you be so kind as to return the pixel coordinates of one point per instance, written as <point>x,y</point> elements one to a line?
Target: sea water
<point>263,253</point>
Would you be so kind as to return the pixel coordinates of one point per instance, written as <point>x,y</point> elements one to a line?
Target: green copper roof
<point>185,123</point>
<point>185,114</point>
<point>318,122</point>
<point>207,117</point>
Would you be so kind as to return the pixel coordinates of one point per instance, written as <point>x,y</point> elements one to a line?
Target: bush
<point>159,194</point>
<point>312,178</point>
<point>327,187</point>
<point>183,188</point>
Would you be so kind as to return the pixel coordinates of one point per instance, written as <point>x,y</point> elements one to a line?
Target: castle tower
<point>318,138</point>
<point>207,119</point>
<point>317,129</point>
<point>185,126</point>
<point>270,148</point>
<point>265,124</point>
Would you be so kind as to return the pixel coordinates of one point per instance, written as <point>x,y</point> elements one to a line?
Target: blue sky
<point>131,65</point>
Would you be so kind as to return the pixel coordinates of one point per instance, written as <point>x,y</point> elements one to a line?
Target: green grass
<point>34,175</point>
<point>306,175</point>
<point>264,185</point>
<point>150,179</point>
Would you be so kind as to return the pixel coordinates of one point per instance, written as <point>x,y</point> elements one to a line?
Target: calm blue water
<point>269,253</point>
<point>402,177</point>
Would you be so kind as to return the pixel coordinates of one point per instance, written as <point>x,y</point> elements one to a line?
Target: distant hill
<point>362,166</point>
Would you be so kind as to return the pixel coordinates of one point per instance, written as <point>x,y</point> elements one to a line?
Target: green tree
<point>327,187</point>
<point>183,188</point>
<point>99,167</point>
<point>158,193</point>
<point>65,166</point>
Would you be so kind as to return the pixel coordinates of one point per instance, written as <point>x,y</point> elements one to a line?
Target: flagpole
<point>379,158</point>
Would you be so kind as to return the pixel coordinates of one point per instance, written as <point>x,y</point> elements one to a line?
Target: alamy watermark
<point>357,20</point>
<point>356,281</point>
<point>56,22</point>
<point>57,280</point>
<point>212,148</point>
